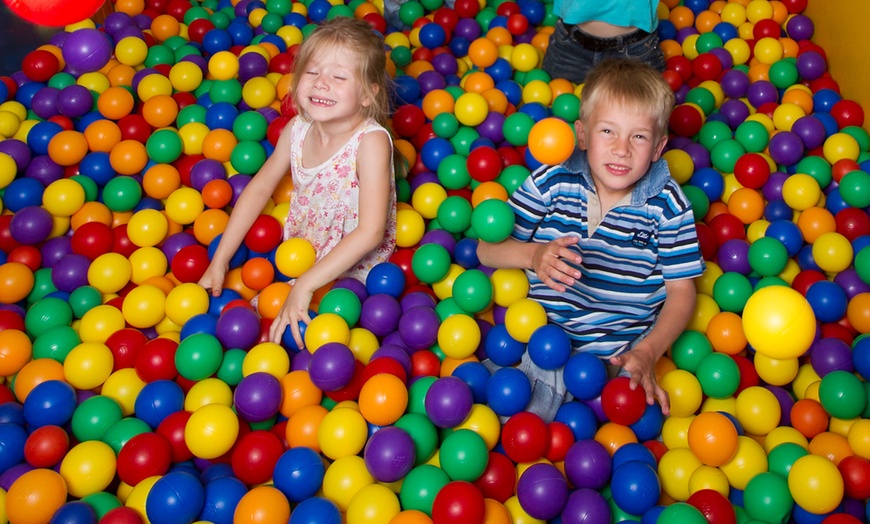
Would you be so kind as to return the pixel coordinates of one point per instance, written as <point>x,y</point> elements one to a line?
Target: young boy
<point>607,238</point>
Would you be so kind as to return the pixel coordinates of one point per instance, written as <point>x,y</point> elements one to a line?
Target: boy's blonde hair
<point>630,82</point>
<point>358,37</point>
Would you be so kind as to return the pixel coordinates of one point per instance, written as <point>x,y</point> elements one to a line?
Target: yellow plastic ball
<point>144,306</point>
<point>344,478</point>
<point>508,286</point>
<point>147,262</point>
<point>749,461</point>
<point>684,391</point>
<point>779,322</point>
<point>184,205</point>
<point>147,228</point>
<point>99,323</point>
<point>185,301</point>
<point>185,76</point>
<point>110,272</point>
<point>459,336</point>
<point>833,252</point>
<point>801,191</point>
<point>259,92</point>
<point>294,257</point>
<point>774,371</point>
<point>675,469</point>
<point>223,65</point>
<point>709,477</point>
<point>211,431</point>
<point>680,164</point>
<point>326,327</point>
<point>410,227</point>
<point>523,317</point>
<point>471,109</point>
<point>342,433</point>
<point>372,504</point>
<point>208,391</point>
<point>483,421</point>
<point>63,198</point>
<point>525,57</point>
<point>88,468</point>
<point>758,411</point>
<point>123,386</point>
<point>266,357</point>
<point>816,484</point>
<point>841,146</point>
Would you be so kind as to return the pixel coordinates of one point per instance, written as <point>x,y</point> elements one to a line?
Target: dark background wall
<point>17,38</point>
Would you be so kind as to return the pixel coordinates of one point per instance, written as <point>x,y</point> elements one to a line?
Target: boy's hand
<point>548,262</point>
<point>640,362</point>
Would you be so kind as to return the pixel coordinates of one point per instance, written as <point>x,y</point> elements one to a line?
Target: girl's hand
<point>294,310</point>
<point>640,362</point>
<point>213,278</point>
<point>549,263</point>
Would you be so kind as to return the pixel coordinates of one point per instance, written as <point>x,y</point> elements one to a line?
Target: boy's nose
<point>620,146</point>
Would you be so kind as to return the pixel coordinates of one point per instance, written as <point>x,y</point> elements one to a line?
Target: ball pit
<point>124,144</point>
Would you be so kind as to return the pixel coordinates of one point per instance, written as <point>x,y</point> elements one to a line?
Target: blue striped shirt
<point>626,260</point>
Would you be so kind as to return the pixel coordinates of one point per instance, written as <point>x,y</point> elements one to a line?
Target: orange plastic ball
<point>129,157</point>
<point>35,496</point>
<point>160,180</point>
<point>809,417</point>
<point>299,392</point>
<point>115,103</point>
<point>16,350</point>
<point>725,332</point>
<point>712,437</point>
<point>383,399</point>
<point>16,282</point>
<point>102,135</point>
<point>68,147</point>
<point>303,426</point>
<point>483,52</point>
<point>272,298</point>
<point>858,312</point>
<point>551,140</point>
<point>257,273</point>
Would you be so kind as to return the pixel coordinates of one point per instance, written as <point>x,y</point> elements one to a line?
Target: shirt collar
<point>647,187</point>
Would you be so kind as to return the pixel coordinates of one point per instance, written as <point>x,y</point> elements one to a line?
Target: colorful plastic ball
<point>50,403</point>
<point>389,454</point>
<point>635,487</point>
<point>86,50</point>
<point>815,484</point>
<point>840,393</point>
<point>508,391</point>
<point>257,397</point>
<point>781,314</point>
<point>585,506</point>
<point>684,391</point>
<point>621,403</point>
<point>383,399</point>
<point>448,401</point>
<point>89,467</point>
<point>299,473</point>
<point>144,455</point>
<point>712,437</point>
<point>463,455</point>
<point>551,141</point>
<point>211,431</point>
<point>46,446</point>
<point>525,437</point>
<point>492,220</point>
<point>459,501</point>
<point>718,375</point>
<point>542,491</point>
<point>418,327</point>
<point>35,496</point>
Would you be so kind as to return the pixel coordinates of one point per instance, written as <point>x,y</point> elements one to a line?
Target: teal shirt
<point>625,13</point>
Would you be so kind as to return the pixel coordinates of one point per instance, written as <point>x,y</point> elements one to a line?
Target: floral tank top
<point>324,204</point>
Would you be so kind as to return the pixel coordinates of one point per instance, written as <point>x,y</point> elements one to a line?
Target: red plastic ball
<point>621,403</point>
<point>766,28</point>
<point>803,280</point>
<point>55,13</point>
<point>198,29</point>
<point>708,241</point>
<point>122,515</point>
<point>122,243</point>
<point>265,234</point>
<point>281,63</point>
<point>748,375</point>
<point>852,223</point>
<point>172,429</point>
<point>425,364</point>
<point>706,66</point>
<point>254,457</point>
<point>46,446</point>
<point>498,481</point>
<point>561,440</point>
<point>403,258</point>
<point>466,8</point>
<point>848,113</point>
<point>384,365</point>
<point>686,120</point>
<point>752,170</point>
<point>856,476</point>
<point>92,239</point>
<point>458,502</point>
<point>714,506</point>
<point>517,24</point>
<point>156,360</point>
<point>190,263</point>
<point>145,455</point>
<point>727,227</point>
<point>484,164</point>
<point>446,18</point>
<point>408,119</point>
<point>11,320</point>
<point>30,256</point>
<point>673,78</point>
<point>134,127</point>
<point>681,65</point>
<point>525,437</point>
<point>40,65</point>
<point>125,345</point>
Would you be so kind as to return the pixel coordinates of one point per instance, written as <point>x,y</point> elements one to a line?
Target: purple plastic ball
<point>238,328</point>
<point>258,396</point>
<point>831,354</point>
<point>431,81</point>
<point>252,65</point>
<point>810,130</point>
<point>733,255</point>
<point>448,401</point>
<point>70,272</point>
<point>542,491</point>
<point>586,506</point>
<point>389,454</point>
<point>354,285</point>
<point>761,92</point>
<point>75,101</point>
<point>331,367</point>
<point>418,327</point>
<point>811,65</point>
<point>207,170</point>
<point>54,249</point>
<point>851,283</point>
<point>380,314</point>
<point>734,111</point>
<point>699,154</point>
<point>734,83</point>
<point>492,127</point>
<point>588,464</point>
<point>800,27</point>
<point>86,50</point>
<point>44,102</point>
<point>31,225</point>
<point>786,148</point>
<point>18,150</point>
<point>417,298</point>
<point>439,236</point>
<point>44,169</point>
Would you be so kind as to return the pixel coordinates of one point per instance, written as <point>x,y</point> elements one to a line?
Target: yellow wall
<point>842,29</point>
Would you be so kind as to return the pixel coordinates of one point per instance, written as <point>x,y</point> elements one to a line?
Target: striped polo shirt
<point>626,259</point>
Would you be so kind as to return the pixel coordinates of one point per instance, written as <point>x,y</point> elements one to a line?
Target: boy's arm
<point>547,260</point>
<point>640,362</point>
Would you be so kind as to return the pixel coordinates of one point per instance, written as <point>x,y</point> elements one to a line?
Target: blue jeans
<point>566,58</point>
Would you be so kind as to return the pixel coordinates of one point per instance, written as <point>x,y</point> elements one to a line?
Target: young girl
<point>343,202</point>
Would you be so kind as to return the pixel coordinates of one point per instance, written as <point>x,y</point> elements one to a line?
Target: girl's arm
<point>248,207</point>
<point>375,176</point>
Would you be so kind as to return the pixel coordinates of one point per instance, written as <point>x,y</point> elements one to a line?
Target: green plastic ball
<point>198,356</point>
<point>718,375</point>
<point>768,256</point>
<point>430,263</point>
<point>344,303</point>
<point>493,220</point>
<point>731,291</point>
<point>454,213</point>
<point>94,416</point>
<point>463,455</point>
<point>472,291</point>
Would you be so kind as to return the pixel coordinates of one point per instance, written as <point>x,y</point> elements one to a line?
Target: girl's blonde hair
<point>360,38</point>
<point>630,82</point>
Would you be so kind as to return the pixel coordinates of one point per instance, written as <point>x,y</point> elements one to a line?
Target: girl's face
<point>329,89</point>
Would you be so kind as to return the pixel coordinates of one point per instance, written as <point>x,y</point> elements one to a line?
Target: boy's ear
<point>580,132</point>
<point>660,147</point>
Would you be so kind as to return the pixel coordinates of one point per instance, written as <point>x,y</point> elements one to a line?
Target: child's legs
<point>548,387</point>
<point>647,50</point>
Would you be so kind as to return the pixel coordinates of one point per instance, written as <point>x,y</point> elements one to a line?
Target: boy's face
<point>621,141</point>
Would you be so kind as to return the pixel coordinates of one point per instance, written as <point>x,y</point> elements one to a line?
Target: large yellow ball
<point>779,322</point>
